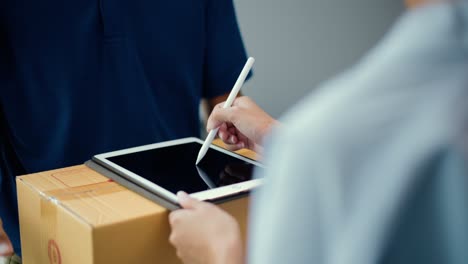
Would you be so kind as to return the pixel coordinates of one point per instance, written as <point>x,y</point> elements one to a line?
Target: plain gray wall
<point>300,43</point>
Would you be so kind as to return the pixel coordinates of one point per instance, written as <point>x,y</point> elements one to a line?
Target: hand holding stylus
<point>232,96</point>
<point>244,125</point>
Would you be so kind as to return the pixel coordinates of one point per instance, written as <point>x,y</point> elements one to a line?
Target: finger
<point>219,116</point>
<point>240,145</point>
<point>244,142</point>
<point>187,202</point>
<point>232,140</point>
<point>232,130</point>
<point>215,119</point>
<point>223,130</point>
<point>226,135</point>
<point>223,135</point>
<point>174,217</point>
<point>178,217</point>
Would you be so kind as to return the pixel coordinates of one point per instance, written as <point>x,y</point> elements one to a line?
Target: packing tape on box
<point>53,200</point>
<point>78,192</point>
<point>48,227</point>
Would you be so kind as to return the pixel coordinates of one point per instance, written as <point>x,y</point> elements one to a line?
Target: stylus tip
<point>202,153</point>
<point>198,159</point>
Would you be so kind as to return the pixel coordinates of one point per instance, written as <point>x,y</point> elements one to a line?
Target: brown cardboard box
<point>77,216</point>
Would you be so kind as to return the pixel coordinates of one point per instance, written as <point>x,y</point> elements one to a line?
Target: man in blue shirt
<point>84,77</point>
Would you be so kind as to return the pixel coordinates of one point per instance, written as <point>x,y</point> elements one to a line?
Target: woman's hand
<point>243,125</point>
<point>203,233</point>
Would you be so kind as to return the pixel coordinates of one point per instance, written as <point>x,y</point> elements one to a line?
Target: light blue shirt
<point>372,167</point>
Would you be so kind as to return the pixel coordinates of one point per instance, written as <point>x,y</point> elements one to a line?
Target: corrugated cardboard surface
<point>75,215</point>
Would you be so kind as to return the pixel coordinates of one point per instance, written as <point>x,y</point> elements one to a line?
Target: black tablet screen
<point>173,168</point>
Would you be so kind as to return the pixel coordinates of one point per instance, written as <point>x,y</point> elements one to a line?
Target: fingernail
<point>4,249</point>
<point>181,195</point>
<point>232,139</point>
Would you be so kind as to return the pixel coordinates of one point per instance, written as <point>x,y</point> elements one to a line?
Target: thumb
<point>220,116</point>
<point>186,201</point>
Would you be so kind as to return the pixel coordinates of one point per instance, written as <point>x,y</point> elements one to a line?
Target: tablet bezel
<point>212,194</point>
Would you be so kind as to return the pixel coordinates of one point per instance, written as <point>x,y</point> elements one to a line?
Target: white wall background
<point>300,43</point>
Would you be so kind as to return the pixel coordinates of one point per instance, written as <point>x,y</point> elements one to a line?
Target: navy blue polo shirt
<point>90,76</point>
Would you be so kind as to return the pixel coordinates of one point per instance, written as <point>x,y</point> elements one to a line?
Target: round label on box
<point>54,253</point>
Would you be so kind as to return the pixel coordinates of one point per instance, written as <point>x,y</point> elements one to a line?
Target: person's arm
<point>225,54</point>
<point>212,102</point>
<point>203,233</point>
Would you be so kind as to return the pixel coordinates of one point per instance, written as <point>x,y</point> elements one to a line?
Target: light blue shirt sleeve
<point>348,159</point>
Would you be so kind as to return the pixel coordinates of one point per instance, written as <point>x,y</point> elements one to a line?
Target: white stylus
<point>232,96</point>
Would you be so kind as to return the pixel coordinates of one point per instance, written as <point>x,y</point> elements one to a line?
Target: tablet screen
<point>174,169</point>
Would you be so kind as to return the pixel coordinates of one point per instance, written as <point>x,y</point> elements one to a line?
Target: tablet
<point>168,167</point>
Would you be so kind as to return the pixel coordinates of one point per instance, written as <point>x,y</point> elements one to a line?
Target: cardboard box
<point>77,216</point>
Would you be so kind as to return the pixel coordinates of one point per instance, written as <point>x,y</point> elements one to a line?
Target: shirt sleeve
<point>225,53</point>
<point>431,225</point>
<point>360,172</point>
